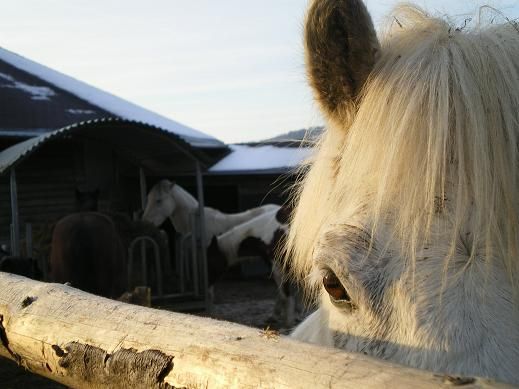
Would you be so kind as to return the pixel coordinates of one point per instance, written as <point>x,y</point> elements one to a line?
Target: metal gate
<point>189,274</point>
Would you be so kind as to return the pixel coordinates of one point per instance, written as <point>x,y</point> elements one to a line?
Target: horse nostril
<point>334,287</point>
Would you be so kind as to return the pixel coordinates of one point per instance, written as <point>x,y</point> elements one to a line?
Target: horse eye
<point>335,289</point>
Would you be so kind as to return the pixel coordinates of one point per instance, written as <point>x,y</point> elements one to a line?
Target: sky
<point>233,69</point>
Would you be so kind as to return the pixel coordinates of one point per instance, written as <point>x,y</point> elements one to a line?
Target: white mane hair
<point>406,222</point>
<point>186,205</point>
<point>435,130</point>
<point>184,198</point>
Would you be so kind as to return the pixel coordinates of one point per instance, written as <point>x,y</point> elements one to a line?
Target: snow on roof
<point>102,99</point>
<point>248,159</point>
<point>36,92</point>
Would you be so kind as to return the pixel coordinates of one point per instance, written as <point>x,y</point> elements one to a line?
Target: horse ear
<point>166,185</point>
<point>341,49</point>
<point>283,213</point>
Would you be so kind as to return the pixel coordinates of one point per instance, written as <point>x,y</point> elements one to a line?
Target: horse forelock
<point>434,140</point>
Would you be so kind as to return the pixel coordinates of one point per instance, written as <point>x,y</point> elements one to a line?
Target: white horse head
<point>167,199</point>
<point>406,228</point>
<point>160,203</point>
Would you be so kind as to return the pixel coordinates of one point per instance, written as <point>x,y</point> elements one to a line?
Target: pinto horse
<point>258,237</point>
<point>167,199</point>
<point>406,229</point>
<point>87,251</point>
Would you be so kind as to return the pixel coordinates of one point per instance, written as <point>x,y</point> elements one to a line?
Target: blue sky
<point>230,68</point>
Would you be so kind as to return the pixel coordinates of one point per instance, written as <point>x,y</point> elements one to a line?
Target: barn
<point>59,136</point>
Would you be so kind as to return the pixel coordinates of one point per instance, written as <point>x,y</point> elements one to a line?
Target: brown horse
<point>87,252</point>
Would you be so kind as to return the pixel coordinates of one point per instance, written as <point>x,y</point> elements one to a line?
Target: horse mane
<point>184,198</point>
<point>434,140</point>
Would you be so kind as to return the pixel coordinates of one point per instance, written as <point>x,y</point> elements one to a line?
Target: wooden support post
<point>143,188</point>
<point>86,341</point>
<point>195,259</point>
<point>28,240</point>
<point>15,222</point>
<point>203,236</point>
<point>144,199</point>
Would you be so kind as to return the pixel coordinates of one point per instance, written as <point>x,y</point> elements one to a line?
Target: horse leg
<point>290,311</point>
<point>210,299</point>
<point>282,306</point>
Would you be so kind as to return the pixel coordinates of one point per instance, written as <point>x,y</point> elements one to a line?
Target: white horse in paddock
<point>407,224</point>
<point>167,199</point>
<point>258,237</point>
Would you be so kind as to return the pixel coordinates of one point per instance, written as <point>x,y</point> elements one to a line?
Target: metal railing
<point>144,265</point>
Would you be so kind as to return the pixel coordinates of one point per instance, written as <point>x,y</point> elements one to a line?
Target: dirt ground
<point>248,302</point>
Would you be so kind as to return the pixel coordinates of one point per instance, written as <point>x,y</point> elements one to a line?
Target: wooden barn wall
<point>98,167</point>
<point>126,196</point>
<point>5,209</point>
<point>241,192</point>
<point>48,179</point>
<point>116,178</point>
<point>46,188</point>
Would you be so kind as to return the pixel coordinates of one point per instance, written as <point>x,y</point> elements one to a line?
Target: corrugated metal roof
<point>10,156</point>
<point>35,96</point>
<point>146,142</point>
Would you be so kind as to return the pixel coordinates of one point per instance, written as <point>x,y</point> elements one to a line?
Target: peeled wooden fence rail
<point>85,341</point>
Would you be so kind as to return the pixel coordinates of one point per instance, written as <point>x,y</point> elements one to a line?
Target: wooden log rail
<point>85,341</point>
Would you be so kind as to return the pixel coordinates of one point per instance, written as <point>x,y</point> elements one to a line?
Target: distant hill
<point>305,137</point>
<point>308,134</point>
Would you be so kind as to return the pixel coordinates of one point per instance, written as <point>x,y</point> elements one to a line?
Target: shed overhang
<point>158,151</point>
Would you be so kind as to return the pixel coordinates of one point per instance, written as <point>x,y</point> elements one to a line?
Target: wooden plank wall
<point>46,188</point>
<point>48,179</point>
